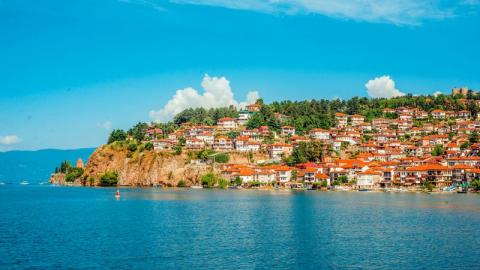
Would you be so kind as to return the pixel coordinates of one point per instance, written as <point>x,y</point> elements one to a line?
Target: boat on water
<point>365,189</point>
<point>196,187</point>
<point>24,182</point>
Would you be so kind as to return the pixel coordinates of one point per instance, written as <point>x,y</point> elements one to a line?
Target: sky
<point>71,71</point>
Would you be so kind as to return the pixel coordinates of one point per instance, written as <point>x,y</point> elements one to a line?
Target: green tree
<point>149,146</point>
<point>74,173</point>
<point>208,180</point>
<point>222,158</point>
<point>465,145</point>
<point>117,135</point>
<point>109,179</point>
<point>132,147</point>
<point>438,150</point>
<point>473,138</point>
<point>237,181</point>
<point>181,183</point>
<point>222,183</point>
<point>138,131</point>
<point>343,179</point>
<point>428,185</point>
<point>475,184</point>
<point>65,166</point>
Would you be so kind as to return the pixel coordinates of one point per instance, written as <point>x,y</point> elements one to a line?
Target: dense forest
<point>308,114</point>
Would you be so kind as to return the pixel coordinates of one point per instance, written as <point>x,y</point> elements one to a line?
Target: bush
<point>117,135</point>
<point>149,146</point>
<point>181,183</point>
<point>238,181</point>
<point>208,180</point>
<point>177,150</point>
<point>438,150</point>
<point>109,179</point>
<point>73,174</point>
<point>475,184</point>
<point>428,185</point>
<point>132,147</point>
<point>343,179</point>
<point>222,183</point>
<point>324,183</point>
<point>222,158</point>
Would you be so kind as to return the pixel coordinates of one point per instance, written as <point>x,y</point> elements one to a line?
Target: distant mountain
<point>36,166</point>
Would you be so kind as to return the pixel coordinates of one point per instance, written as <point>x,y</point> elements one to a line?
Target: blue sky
<point>73,70</point>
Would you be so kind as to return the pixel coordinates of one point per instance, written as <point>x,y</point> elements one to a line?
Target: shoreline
<point>271,189</point>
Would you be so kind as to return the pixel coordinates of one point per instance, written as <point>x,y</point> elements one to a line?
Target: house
<point>368,179</point>
<point>227,123</point>
<point>357,119</point>
<point>264,130</point>
<point>152,133</point>
<point>287,130</point>
<point>159,145</point>
<point>243,117</point>
<point>223,143</point>
<point>277,150</point>
<point>464,114</point>
<point>253,107</point>
<point>319,134</point>
<point>194,143</point>
<point>341,119</point>
<point>439,114</point>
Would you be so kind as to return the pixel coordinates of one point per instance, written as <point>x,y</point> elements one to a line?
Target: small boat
<point>196,187</point>
<point>117,194</point>
<point>364,189</point>
<point>24,182</point>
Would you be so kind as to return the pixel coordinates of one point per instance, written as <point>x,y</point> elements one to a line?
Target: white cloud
<point>217,93</point>
<point>437,93</point>
<point>9,139</point>
<point>382,87</point>
<point>399,12</point>
<point>107,125</point>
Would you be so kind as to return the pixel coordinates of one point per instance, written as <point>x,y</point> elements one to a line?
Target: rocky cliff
<point>149,168</point>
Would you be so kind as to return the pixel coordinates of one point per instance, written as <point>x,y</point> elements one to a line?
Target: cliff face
<point>149,168</point>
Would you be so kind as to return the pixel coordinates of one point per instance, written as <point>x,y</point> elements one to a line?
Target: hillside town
<point>406,148</point>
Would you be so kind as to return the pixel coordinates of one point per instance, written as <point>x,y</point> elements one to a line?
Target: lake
<point>44,227</point>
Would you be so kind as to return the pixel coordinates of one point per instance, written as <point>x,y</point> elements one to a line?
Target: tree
<point>474,137</point>
<point>238,181</point>
<point>73,174</point>
<point>149,146</point>
<point>65,166</point>
<point>465,145</point>
<point>222,158</point>
<point>208,180</point>
<point>109,179</point>
<point>177,150</point>
<point>343,179</point>
<point>475,184</point>
<point>132,147</point>
<point>222,182</point>
<point>181,183</point>
<point>117,135</point>
<point>138,131</point>
<point>306,151</point>
<point>438,150</point>
<point>428,185</point>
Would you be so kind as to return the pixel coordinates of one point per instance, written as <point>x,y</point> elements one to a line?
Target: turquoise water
<point>44,227</point>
